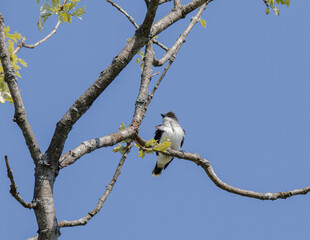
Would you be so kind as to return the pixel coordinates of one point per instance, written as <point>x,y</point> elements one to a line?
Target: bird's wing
<point>158,134</point>
<point>183,137</point>
<point>157,137</point>
<point>168,163</point>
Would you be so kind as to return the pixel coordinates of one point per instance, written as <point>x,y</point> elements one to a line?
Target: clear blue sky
<point>240,88</point>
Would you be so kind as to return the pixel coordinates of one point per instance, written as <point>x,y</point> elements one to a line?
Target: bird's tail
<point>157,171</point>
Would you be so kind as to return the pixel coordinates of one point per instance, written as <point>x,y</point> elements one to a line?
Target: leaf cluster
<point>64,11</point>
<point>153,146</point>
<point>11,39</point>
<point>271,4</point>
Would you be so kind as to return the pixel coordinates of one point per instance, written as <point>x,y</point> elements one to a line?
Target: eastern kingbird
<point>175,133</point>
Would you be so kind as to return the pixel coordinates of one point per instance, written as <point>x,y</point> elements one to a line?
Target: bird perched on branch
<point>172,129</point>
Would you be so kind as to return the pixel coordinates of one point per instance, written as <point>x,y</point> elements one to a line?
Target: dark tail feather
<point>157,171</point>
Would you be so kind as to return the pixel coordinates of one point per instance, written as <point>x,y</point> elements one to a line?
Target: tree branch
<point>141,102</point>
<point>160,45</point>
<point>127,133</point>
<point>177,45</point>
<point>23,44</point>
<point>85,219</point>
<point>163,1</point>
<point>83,103</point>
<point>130,18</point>
<point>177,3</point>
<point>176,15</point>
<point>145,32</point>
<point>13,187</point>
<point>150,96</point>
<point>93,144</point>
<point>206,165</point>
<point>20,116</point>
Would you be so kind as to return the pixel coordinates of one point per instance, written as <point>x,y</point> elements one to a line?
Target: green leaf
<point>203,23</point>
<point>267,11</point>
<point>141,153</point>
<point>163,145</point>
<point>55,3</point>
<point>119,148</point>
<point>22,62</point>
<point>69,6</point>
<point>122,126</point>
<point>151,143</point>
<point>79,12</point>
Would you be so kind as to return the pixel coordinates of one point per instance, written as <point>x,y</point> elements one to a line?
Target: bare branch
<point>150,96</point>
<point>176,15</point>
<point>33,238</point>
<point>85,219</point>
<point>23,44</point>
<point>160,45</point>
<point>20,116</point>
<point>206,165</point>
<point>14,187</point>
<point>93,144</point>
<point>130,18</point>
<point>176,46</point>
<point>266,3</point>
<point>177,3</point>
<point>141,102</point>
<point>20,45</point>
<point>163,1</point>
<point>83,103</point>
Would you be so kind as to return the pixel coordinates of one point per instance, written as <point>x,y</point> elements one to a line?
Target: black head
<point>170,115</point>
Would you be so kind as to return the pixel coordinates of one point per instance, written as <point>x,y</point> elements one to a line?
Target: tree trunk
<point>45,176</point>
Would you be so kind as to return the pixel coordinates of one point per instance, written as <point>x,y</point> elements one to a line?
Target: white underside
<point>175,134</point>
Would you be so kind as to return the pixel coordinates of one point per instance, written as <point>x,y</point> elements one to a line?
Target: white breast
<point>175,134</point>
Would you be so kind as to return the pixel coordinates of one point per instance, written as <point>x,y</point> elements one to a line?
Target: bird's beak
<point>163,115</point>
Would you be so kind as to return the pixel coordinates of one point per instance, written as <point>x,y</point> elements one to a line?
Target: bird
<point>172,129</point>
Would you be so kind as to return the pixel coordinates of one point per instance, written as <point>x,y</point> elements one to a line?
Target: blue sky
<point>240,88</point>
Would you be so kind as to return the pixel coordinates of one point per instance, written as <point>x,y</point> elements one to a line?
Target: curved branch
<point>85,219</point>
<point>14,187</point>
<point>177,45</point>
<point>93,144</point>
<point>206,165</point>
<point>23,44</point>
<point>20,116</point>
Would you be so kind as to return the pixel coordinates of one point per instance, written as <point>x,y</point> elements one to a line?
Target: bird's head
<point>169,116</point>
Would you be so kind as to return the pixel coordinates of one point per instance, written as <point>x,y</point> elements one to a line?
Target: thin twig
<point>130,18</point>
<point>176,46</point>
<point>85,219</point>
<point>13,187</point>
<point>150,96</point>
<point>206,165</point>
<point>20,45</point>
<point>160,45</point>
<point>23,44</point>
